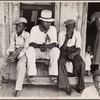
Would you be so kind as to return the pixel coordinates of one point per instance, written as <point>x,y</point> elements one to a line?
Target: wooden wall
<point>2,35</point>
<point>63,11</point>
<point>8,14</point>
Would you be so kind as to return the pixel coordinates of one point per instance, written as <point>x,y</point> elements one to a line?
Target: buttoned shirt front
<point>38,36</point>
<point>74,41</point>
<point>90,92</point>
<point>19,41</point>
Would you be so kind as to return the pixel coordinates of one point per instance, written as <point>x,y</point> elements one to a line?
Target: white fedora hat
<point>46,15</point>
<point>20,20</point>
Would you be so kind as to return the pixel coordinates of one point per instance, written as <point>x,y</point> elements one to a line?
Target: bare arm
<point>77,51</point>
<point>50,46</point>
<point>35,45</point>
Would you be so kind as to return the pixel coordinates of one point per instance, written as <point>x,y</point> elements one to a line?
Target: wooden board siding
<point>57,16</point>
<point>84,27</point>
<point>2,35</point>
<point>8,15</point>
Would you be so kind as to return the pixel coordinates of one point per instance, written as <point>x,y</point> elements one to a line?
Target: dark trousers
<point>78,69</point>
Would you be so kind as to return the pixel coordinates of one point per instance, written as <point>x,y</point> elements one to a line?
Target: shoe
<point>68,90</point>
<point>17,93</point>
<point>31,79</point>
<point>77,89</point>
<point>5,81</point>
<point>53,79</point>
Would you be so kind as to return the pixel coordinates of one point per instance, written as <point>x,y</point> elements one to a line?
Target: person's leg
<point>31,66</point>
<point>79,66</point>
<point>54,56</point>
<point>21,70</point>
<point>63,81</point>
<point>33,54</point>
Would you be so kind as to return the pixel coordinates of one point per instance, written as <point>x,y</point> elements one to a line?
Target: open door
<point>33,11</point>
<point>91,29</point>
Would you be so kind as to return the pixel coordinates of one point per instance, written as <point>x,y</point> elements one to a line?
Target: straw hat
<point>20,20</point>
<point>46,15</point>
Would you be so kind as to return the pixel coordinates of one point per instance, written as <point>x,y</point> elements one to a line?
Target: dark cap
<point>96,73</point>
<point>69,22</point>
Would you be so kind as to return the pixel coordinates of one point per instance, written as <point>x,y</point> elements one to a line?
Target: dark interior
<point>27,10</point>
<point>91,29</point>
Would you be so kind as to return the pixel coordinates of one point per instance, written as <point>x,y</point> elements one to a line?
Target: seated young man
<point>70,44</point>
<point>17,52</point>
<point>43,44</point>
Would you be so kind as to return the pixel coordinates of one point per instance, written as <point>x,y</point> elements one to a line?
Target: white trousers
<point>21,70</point>
<point>33,54</point>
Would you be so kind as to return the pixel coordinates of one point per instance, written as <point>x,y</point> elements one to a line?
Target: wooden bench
<point>42,77</point>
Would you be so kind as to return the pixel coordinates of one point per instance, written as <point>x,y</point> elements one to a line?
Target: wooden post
<point>84,27</point>
<point>57,16</point>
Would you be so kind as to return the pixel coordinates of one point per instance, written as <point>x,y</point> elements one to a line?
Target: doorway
<point>91,29</point>
<point>33,11</point>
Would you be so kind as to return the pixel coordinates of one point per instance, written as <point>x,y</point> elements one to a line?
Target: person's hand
<point>69,34</point>
<point>71,56</point>
<point>43,48</point>
<point>11,53</point>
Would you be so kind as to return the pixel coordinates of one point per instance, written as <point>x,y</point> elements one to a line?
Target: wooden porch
<point>37,91</point>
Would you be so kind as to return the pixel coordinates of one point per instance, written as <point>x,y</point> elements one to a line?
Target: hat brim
<point>47,20</point>
<point>18,23</point>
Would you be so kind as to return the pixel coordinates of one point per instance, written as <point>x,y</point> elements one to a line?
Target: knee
<point>83,65</point>
<point>21,66</point>
<point>56,51</point>
<point>30,51</point>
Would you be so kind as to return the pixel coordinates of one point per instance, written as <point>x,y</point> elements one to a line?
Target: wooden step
<point>47,81</point>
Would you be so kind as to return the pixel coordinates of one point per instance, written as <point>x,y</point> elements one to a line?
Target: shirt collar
<point>21,34</point>
<point>42,30</point>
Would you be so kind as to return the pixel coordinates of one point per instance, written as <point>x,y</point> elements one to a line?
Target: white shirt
<point>19,41</point>
<point>38,36</point>
<point>87,60</point>
<point>76,39</point>
<point>90,92</point>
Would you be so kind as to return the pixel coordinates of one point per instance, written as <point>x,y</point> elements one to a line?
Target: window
<point>33,11</point>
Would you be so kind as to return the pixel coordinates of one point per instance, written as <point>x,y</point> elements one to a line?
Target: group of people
<point>42,42</point>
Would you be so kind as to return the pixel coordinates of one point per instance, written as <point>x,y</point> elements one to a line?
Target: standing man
<point>43,44</point>
<point>93,91</point>
<point>70,45</point>
<point>17,51</point>
<point>96,18</point>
